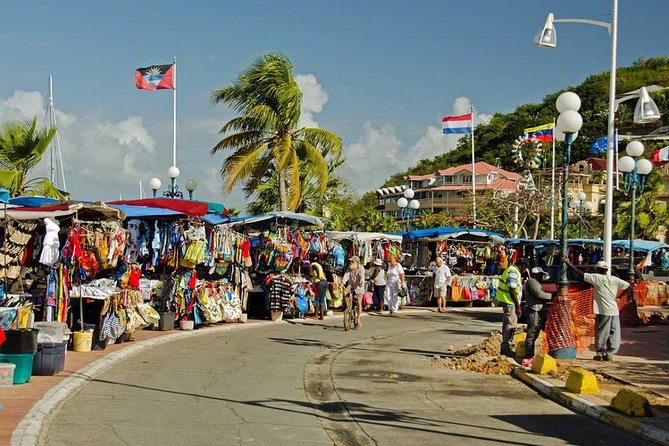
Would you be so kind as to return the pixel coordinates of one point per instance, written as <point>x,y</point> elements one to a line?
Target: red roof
<point>482,168</point>
<point>596,163</point>
<point>187,207</point>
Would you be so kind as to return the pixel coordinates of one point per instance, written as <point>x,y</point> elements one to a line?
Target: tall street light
<point>547,38</point>
<point>580,206</point>
<point>172,188</point>
<point>635,171</point>
<point>569,122</point>
<point>408,207</point>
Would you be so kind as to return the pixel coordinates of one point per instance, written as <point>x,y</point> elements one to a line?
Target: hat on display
<point>538,270</point>
<point>602,264</point>
<point>355,259</point>
<point>378,262</point>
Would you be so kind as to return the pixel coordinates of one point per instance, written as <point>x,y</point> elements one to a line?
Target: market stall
<point>475,257</point>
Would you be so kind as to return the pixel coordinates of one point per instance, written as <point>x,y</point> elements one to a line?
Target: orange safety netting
<point>573,325</point>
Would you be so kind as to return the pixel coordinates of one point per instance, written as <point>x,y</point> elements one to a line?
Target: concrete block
<point>582,381</point>
<point>544,364</point>
<point>632,403</point>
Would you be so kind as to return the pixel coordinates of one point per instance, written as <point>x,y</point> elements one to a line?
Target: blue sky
<point>383,73</point>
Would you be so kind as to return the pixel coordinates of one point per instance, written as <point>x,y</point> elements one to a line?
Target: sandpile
<point>483,357</point>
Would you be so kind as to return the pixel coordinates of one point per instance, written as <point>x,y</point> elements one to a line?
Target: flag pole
<point>174,116</point>
<point>473,171</point>
<point>615,145</point>
<point>553,187</point>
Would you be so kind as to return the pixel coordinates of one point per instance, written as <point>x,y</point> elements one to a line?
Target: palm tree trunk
<point>282,190</point>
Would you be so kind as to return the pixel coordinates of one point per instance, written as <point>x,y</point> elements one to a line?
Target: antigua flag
<point>155,77</point>
<point>543,133</point>
<point>461,124</point>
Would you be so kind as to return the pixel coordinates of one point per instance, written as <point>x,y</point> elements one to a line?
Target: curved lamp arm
<point>606,25</point>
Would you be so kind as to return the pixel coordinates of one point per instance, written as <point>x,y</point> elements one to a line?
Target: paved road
<point>311,383</point>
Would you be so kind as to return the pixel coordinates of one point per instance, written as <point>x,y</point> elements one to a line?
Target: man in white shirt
<point>607,317</point>
<point>441,274</point>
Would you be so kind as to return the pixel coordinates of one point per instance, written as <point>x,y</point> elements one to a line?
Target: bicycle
<point>351,312</point>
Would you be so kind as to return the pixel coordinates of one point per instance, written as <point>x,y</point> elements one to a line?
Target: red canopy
<point>187,207</point>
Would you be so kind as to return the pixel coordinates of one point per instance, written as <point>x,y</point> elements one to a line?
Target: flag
<point>599,145</point>
<point>661,156</point>
<point>461,124</point>
<point>543,133</point>
<point>155,77</point>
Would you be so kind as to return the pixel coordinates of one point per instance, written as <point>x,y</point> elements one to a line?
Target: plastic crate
<point>24,365</point>
<point>49,359</point>
<point>7,374</point>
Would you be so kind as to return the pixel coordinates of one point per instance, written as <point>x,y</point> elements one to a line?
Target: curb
<point>29,431</point>
<point>635,426</point>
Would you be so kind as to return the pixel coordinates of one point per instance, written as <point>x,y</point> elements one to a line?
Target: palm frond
<point>319,167</point>
<point>324,139</point>
<point>239,140</point>
<point>237,168</point>
<point>294,186</point>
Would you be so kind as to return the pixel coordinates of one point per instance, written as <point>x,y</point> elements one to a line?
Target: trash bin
<point>166,322</point>
<point>49,359</point>
<point>20,341</point>
<point>24,365</point>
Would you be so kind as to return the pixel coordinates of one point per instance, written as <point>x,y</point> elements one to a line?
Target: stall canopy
<point>144,211</point>
<point>362,236</point>
<point>4,195</point>
<point>287,218</point>
<point>446,232</point>
<point>215,218</point>
<point>84,212</point>
<point>186,207</point>
<point>640,245</point>
<point>32,202</point>
<point>574,241</point>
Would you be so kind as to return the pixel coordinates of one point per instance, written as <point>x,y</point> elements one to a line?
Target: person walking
<point>605,305</point>
<point>379,281</point>
<point>508,296</point>
<point>537,303</point>
<point>442,275</point>
<point>354,281</point>
<point>321,284</point>
<point>395,282</point>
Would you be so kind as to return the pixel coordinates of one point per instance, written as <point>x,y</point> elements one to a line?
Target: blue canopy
<point>215,218</point>
<point>32,202</point>
<point>144,211</point>
<point>640,245</point>
<point>4,195</point>
<point>450,232</point>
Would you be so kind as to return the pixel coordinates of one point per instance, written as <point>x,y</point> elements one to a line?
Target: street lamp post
<point>408,207</point>
<point>547,38</point>
<point>635,172</point>
<point>581,206</point>
<point>173,188</point>
<point>569,122</point>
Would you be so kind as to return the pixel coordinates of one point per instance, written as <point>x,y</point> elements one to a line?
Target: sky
<point>380,74</point>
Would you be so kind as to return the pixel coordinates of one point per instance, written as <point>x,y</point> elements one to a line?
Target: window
<point>466,179</point>
<point>447,179</point>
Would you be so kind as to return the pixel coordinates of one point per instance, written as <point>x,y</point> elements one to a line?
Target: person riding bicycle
<point>354,283</point>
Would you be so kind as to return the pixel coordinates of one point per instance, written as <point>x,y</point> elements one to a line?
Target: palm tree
<point>651,214</point>
<point>266,135</point>
<point>22,146</point>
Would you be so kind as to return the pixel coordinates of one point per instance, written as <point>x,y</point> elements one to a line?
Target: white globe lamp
<point>643,167</point>
<point>173,172</point>
<point>568,101</point>
<point>626,164</point>
<point>569,121</point>
<point>634,148</point>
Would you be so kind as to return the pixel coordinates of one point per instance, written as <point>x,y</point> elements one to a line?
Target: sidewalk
<point>642,365</point>
<point>18,400</point>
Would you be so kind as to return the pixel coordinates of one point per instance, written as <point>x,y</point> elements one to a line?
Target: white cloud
<point>379,153</point>
<point>314,97</point>
<point>375,156</point>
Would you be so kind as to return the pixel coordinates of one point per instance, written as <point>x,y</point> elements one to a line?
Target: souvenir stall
<point>546,253</point>
<point>283,244</point>
<point>474,256</point>
<point>652,260</point>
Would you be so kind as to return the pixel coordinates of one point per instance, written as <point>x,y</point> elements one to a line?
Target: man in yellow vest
<point>508,296</point>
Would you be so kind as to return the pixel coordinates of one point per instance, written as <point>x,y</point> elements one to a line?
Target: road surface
<point>309,382</point>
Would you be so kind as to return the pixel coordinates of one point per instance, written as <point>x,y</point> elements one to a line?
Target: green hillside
<point>494,139</point>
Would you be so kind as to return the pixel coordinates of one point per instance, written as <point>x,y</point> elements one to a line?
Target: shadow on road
<point>350,414</point>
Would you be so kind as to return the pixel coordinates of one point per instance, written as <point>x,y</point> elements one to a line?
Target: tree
<point>429,219</point>
<point>266,136</point>
<point>22,146</point>
<point>651,215</point>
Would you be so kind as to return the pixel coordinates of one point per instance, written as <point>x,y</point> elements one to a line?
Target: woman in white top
<point>394,283</point>
<point>379,281</point>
